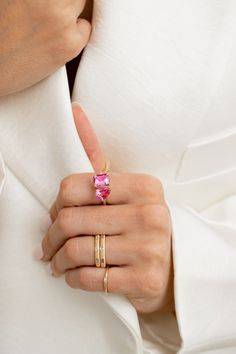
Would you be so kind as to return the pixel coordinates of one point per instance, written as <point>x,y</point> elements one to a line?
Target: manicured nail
<point>77,104</point>
<point>45,223</point>
<point>38,252</point>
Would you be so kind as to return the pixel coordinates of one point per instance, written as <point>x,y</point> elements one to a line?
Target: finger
<point>88,138</point>
<point>89,220</point>
<point>78,190</point>
<point>91,279</point>
<point>79,251</point>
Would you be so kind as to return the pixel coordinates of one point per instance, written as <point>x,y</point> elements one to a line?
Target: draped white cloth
<point>158,81</point>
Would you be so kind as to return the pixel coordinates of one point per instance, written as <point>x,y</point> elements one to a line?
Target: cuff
<point>204,256</point>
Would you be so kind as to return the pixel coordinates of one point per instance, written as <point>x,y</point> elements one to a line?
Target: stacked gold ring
<point>100,251</point>
<point>102,185</point>
<point>97,251</point>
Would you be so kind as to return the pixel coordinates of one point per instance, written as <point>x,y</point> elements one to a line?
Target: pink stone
<point>101,180</point>
<point>102,194</point>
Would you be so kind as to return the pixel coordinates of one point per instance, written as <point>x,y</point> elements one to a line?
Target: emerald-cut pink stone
<point>102,194</point>
<point>101,180</point>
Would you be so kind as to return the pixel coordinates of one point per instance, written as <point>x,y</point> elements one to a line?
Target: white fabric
<point>2,173</point>
<point>158,83</point>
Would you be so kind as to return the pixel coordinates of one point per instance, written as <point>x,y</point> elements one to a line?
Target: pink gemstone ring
<point>102,185</point>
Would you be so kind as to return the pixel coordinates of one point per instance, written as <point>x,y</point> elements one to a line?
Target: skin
<point>38,37</point>
<point>138,228</point>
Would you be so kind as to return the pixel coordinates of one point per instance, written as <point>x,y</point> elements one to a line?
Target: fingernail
<point>45,223</point>
<point>49,269</point>
<point>75,103</point>
<point>38,252</point>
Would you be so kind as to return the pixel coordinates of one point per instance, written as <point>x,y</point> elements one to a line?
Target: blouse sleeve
<point>202,204</point>
<point>204,252</point>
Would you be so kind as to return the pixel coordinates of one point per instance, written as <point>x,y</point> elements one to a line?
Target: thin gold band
<point>103,250</point>
<point>105,280</point>
<point>97,251</point>
<point>106,167</point>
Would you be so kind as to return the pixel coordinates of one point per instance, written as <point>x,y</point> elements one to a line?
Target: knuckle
<point>147,215</point>
<point>69,281</point>
<point>149,251</point>
<point>164,259</point>
<point>154,282</point>
<point>140,214</point>
<point>66,189</point>
<point>54,265</point>
<point>87,279</point>
<point>163,219</point>
<point>83,279</point>
<point>154,216</point>
<point>154,253</point>
<point>47,244</point>
<point>148,186</point>
<point>141,283</point>
<point>71,247</point>
<point>64,219</point>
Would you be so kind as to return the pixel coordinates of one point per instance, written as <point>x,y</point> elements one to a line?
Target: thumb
<point>88,138</point>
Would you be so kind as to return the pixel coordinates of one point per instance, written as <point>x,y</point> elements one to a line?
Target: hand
<point>38,37</point>
<point>136,222</point>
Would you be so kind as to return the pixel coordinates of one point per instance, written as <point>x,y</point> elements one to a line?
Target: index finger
<point>126,188</point>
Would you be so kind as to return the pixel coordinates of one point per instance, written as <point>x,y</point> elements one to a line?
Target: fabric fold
<point>38,138</point>
<point>41,146</point>
<point>205,276</point>
<point>2,173</point>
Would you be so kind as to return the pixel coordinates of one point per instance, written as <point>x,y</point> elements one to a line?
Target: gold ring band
<point>105,280</point>
<point>106,170</point>
<point>103,251</point>
<point>97,251</point>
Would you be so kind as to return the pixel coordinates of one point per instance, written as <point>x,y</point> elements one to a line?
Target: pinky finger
<point>92,279</point>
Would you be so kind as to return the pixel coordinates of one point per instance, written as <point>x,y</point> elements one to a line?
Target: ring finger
<point>89,220</point>
<point>79,251</point>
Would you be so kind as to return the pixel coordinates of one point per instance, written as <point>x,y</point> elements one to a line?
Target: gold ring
<point>101,182</point>
<point>106,168</point>
<point>103,250</point>
<point>97,251</point>
<point>105,280</point>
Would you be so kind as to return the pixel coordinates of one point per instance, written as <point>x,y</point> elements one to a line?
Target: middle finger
<point>88,220</point>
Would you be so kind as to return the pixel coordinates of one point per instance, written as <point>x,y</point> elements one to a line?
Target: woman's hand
<point>37,37</point>
<point>138,228</point>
